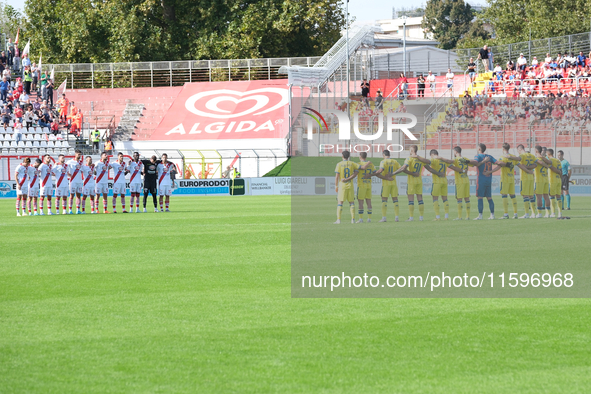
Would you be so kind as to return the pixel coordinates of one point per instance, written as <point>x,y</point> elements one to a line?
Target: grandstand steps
<point>129,119</point>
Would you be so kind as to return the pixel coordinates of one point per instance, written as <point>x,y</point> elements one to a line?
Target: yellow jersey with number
<point>461,178</point>
<point>365,182</point>
<point>527,159</point>
<point>440,166</point>
<point>541,172</point>
<point>414,165</point>
<point>388,167</point>
<point>554,177</point>
<point>345,169</point>
<point>507,175</point>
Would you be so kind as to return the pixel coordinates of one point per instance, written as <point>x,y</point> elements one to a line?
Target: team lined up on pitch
<point>544,181</point>
<point>86,180</point>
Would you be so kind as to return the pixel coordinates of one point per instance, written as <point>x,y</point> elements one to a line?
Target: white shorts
<point>76,187</point>
<point>24,191</point>
<point>88,190</point>
<point>135,188</point>
<point>119,188</point>
<point>33,192</point>
<point>101,188</point>
<point>62,191</point>
<point>165,190</point>
<point>47,191</point>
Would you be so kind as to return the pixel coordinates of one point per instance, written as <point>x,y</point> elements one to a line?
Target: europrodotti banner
<point>227,110</point>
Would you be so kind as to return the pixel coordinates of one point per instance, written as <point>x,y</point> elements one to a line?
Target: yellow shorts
<point>439,189</point>
<point>542,188</point>
<point>346,194</point>
<point>555,189</point>
<point>508,188</point>
<point>416,188</point>
<point>389,190</point>
<point>527,188</point>
<point>462,190</point>
<point>364,192</point>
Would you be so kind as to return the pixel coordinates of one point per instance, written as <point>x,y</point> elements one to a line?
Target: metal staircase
<point>131,116</point>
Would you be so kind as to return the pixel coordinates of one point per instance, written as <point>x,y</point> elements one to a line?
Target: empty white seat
<point>20,151</point>
<point>21,144</point>
<point>36,144</point>
<point>50,144</point>
<point>64,144</point>
<point>71,151</point>
<point>28,144</point>
<point>9,129</point>
<point>12,151</point>
<point>27,151</point>
<point>45,130</point>
<point>42,144</point>
<point>52,137</point>
<point>1,137</point>
<point>39,129</point>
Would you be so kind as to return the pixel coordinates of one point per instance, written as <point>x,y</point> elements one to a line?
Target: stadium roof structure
<point>333,59</point>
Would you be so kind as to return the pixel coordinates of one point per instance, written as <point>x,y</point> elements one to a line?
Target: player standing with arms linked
<point>88,188</point>
<point>414,164</point>
<point>364,187</point>
<point>387,172</point>
<point>527,182</point>
<point>165,181</point>
<point>76,183</point>
<point>22,187</point>
<point>46,170</point>
<point>542,185</point>
<point>119,171</point>
<point>566,174</point>
<point>345,172</point>
<point>136,167</point>
<point>61,184</point>
<point>101,169</point>
<point>555,184</point>
<point>33,192</point>
<point>438,168</point>
<point>150,172</point>
<point>483,163</point>
<point>460,166</point>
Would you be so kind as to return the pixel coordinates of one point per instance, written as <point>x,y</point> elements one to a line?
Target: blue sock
<point>543,203</point>
<point>491,205</point>
<point>568,201</point>
<point>480,206</point>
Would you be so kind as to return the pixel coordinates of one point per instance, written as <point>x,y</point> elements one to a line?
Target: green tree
<point>10,20</point>
<point>477,36</point>
<point>151,30</point>
<point>512,19</point>
<point>448,20</point>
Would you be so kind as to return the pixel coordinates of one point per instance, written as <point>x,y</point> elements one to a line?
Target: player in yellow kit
<point>508,179</point>
<point>460,165</point>
<point>345,172</point>
<point>555,184</point>
<point>527,182</point>
<point>364,187</point>
<point>414,164</point>
<point>387,172</point>
<point>542,185</point>
<point>438,168</point>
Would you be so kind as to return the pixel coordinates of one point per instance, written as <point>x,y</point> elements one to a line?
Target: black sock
<point>145,198</point>
<point>155,200</point>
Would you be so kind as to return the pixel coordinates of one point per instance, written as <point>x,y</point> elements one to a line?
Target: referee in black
<point>151,180</point>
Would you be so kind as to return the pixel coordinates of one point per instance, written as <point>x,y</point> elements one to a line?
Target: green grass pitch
<point>198,300</point>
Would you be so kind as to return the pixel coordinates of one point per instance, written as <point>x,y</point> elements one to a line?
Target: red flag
<point>17,32</point>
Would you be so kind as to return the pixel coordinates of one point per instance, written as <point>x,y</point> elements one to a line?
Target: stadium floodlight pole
<point>404,43</point>
<point>347,54</point>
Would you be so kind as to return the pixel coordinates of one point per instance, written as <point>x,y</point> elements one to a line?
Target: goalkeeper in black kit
<point>151,180</point>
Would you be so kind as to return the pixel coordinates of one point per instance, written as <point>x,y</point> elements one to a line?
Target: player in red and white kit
<point>101,182</point>
<point>136,167</point>
<point>119,171</point>
<point>33,187</point>
<point>22,186</point>
<point>61,184</point>
<point>164,181</point>
<point>46,170</point>
<point>88,184</point>
<point>76,182</point>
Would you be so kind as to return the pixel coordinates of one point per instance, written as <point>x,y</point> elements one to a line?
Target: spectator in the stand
<point>404,85</point>
<point>450,81</point>
<point>63,103</point>
<point>109,147</point>
<point>431,80</point>
<point>483,55</point>
<point>534,62</point>
<point>421,86</point>
<point>17,63</point>
<point>26,62</point>
<point>30,117</point>
<point>35,75</point>
<point>497,71</point>
<point>44,119</point>
<point>55,127</point>
<point>28,79</point>
<point>472,70</point>
<point>4,86</point>
<point>43,87</point>
<point>18,113</point>
<point>10,54</point>
<point>379,101</point>
<point>5,116</point>
<point>581,60</point>
<point>510,65</point>
<point>365,91</point>
<point>49,92</point>
<point>548,59</point>
<point>18,132</point>
<point>76,123</point>
<point>490,59</point>
<point>521,62</point>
